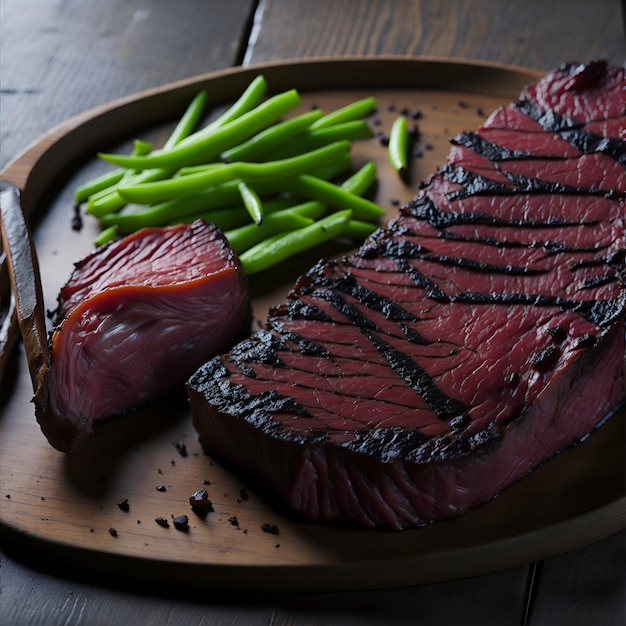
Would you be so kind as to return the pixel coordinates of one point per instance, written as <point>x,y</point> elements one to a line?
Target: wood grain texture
<point>530,33</point>
<point>62,57</point>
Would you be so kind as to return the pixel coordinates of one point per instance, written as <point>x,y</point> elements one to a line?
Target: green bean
<point>317,137</point>
<point>361,180</point>
<point>108,234</point>
<point>225,219</point>
<point>353,111</point>
<point>250,98</point>
<point>110,201</point>
<point>208,143</point>
<point>359,230</point>
<point>266,140</point>
<point>318,189</point>
<point>95,185</point>
<point>398,145</point>
<point>244,237</point>
<point>282,246</point>
<point>141,147</point>
<point>248,172</point>
<point>251,202</point>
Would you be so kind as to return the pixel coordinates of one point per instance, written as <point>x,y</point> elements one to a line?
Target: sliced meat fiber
<point>135,319</point>
<point>476,336</point>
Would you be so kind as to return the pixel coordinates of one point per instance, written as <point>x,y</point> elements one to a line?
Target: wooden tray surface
<point>64,506</point>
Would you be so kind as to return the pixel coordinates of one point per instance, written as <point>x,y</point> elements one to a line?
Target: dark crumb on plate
<point>8,496</point>
<point>181,522</point>
<point>173,462</point>
<point>200,502</point>
<point>77,220</point>
<point>42,498</point>
<point>243,495</point>
<point>233,520</point>
<point>161,488</point>
<point>395,202</point>
<point>429,146</point>
<point>269,528</point>
<point>162,521</point>
<point>206,482</point>
<point>123,504</point>
<point>181,447</point>
<point>159,470</point>
<point>463,104</point>
<point>277,545</point>
<point>91,530</point>
<point>480,111</point>
<point>113,532</point>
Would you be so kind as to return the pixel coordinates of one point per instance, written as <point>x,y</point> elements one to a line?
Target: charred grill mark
<point>479,266</point>
<point>571,131</point>
<point>596,281</point>
<point>425,208</point>
<point>474,184</point>
<point>492,151</point>
<point>404,366</point>
<point>433,291</point>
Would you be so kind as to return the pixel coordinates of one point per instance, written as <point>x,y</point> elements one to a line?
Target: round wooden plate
<point>66,507</point>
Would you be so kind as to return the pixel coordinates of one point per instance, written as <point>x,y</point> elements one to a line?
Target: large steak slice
<point>136,318</point>
<point>472,339</point>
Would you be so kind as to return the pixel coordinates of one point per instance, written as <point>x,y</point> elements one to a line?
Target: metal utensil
<point>25,281</point>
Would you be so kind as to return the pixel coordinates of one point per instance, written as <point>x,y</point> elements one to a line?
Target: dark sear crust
<point>452,354</point>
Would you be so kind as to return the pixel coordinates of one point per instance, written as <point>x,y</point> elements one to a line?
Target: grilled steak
<point>135,319</point>
<point>476,336</point>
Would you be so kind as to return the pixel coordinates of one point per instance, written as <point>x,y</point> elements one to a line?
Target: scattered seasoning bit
<point>42,498</point>
<point>123,504</point>
<point>113,532</point>
<point>243,495</point>
<point>8,496</point>
<point>383,138</point>
<point>463,104</point>
<point>428,146</point>
<point>139,521</point>
<point>269,528</point>
<point>173,462</point>
<point>77,220</point>
<point>395,202</point>
<point>200,502</point>
<point>181,447</point>
<point>480,111</point>
<point>206,482</point>
<point>161,488</point>
<point>376,121</point>
<point>546,358</point>
<point>390,107</point>
<point>181,522</point>
<point>416,114</point>
<point>91,530</point>
<point>557,333</point>
<point>277,545</point>
<point>162,521</point>
<point>233,520</point>
<point>159,470</point>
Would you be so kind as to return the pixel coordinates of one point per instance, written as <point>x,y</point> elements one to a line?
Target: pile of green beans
<point>275,182</point>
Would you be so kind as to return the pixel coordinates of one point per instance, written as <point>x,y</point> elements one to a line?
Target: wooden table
<point>61,57</point>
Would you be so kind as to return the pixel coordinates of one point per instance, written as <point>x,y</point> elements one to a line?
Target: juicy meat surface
<point>477,335</point>
<point>135,319</point>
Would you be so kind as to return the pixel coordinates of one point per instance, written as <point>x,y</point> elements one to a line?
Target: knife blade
<point>25,280</point>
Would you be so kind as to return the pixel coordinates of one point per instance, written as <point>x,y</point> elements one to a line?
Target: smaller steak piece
<point>135,319</point>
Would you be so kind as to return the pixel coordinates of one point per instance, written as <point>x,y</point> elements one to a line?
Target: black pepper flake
<point>161,488</point>
<point>113,532</point>
<point>463,104</point>
<point>206,482</point>
<point>480,111</point>
<point>200,502</point>
<point>277,545</point>
<point>181,447</point>
<point>243,495</point>
<point>416,114</point>
<point>233,520</point>
<point>77,220</point>
<point>429,146</point>
<point>272,529</point>
<point>546,358</point>
<point>557,333</point>
<point>159,470</point>
<point>123,504</point>
<point>162,521</point>
<point>91,530</point>
<point>8,496</point>
<point>181,522</point>
<point>42,498</point>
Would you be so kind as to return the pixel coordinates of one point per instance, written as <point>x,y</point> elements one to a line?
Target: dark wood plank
<point>531,33</point>
<point>585,586</point>
<point>61,57</point>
